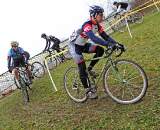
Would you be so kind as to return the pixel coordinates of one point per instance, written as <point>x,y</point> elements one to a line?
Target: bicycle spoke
<point>131,75</point>
<point>135,86</point>
<point>133,78</point>
<point>123,93</point>
<point>124,71</point>
<point>115,79</point>
<point>116,73</point>
<point>130,92</point>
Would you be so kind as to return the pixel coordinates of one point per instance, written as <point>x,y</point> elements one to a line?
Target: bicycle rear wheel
<point>37,69</point>
<point>125,82</point>
<point>137,17</point>
<point>73,85</point>
<point>120,26</point>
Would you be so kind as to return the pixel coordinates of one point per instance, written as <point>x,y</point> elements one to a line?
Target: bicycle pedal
<point>29,87</point>
<point>74,88</point>
<point>92,95</point>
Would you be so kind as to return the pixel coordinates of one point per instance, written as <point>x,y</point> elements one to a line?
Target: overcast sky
<point>25,20</point>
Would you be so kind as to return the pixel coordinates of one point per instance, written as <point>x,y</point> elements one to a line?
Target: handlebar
<point>109,51</point>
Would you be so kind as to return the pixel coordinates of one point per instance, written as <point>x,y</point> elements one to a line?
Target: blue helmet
<point>94,10</point>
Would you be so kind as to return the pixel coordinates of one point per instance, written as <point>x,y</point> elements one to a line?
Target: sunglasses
<point>14,46</point>
<point>101,14</point>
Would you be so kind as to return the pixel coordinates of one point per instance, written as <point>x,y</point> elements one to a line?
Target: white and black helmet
<point>94,10</point>
<point>14,43</point>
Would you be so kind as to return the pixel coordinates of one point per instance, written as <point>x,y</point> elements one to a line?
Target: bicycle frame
<point>55,54</point>
<point>109,61</point>
<point>22,72</point>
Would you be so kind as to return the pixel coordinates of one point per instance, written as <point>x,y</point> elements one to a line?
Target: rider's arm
<point>119,8</point>
<point>96,39</point>
<point>107,37</point>
<point>9,59</point>
<point>45,49</point>
<point>23,53</point>
<point>88,30</point>
<point>49,44</point>
<point>104,35</point>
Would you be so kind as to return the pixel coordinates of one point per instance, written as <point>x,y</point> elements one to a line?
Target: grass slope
<point>49,110</point>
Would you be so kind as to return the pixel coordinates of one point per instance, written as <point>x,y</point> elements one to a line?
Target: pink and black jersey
<point>87,27</point>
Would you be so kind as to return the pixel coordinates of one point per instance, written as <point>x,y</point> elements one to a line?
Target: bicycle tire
<point>24,90</point>
<point>108,89</point>
<point>66,86</point>
<point>36,71</point>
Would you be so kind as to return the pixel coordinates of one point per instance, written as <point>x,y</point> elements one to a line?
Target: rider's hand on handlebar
<point>117,46</point>
<point>120,47</point>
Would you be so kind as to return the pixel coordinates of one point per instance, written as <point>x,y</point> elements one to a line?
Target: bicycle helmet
<point>94,10</point>
<point>43,35</point>
<point>115,2</point>
<point>14,43</point>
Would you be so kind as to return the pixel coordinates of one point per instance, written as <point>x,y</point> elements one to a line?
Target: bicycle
<point>63,55</point>
<point>37,70</point>
<point>120,25</point>
<point>24,82</point>
<point>54,58</point>
<point>119,75</point>
<point>133,18</point>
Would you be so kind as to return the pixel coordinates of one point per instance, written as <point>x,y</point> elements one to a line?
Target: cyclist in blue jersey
<point>79,44</point>
<point>17,57</point>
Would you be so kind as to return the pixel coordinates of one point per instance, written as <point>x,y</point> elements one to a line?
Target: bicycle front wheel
<point>73,85</point>
<point>67,55</point>
<point>125,81</point>
<point>37,69</point>
<point>52,63</point>
<point>24,90</point>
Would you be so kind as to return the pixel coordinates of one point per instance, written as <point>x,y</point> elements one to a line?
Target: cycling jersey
<point>56,43</point>
<point>83,37</point>
<point>88,31</point>
<point>27,55</point>
<point>123,5</point>
<point>14,56</point>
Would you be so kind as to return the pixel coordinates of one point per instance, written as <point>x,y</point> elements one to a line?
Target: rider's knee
<point>15,71</point>
<point>99,51</point>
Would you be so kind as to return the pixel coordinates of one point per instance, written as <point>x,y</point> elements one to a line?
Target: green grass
<point>54,110</point>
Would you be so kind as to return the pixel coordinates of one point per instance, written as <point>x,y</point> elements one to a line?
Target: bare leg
<point>29,74</point>
<point>15,73</point>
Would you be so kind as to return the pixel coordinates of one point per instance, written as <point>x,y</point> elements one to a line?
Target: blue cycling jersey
<point>14,55</point>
